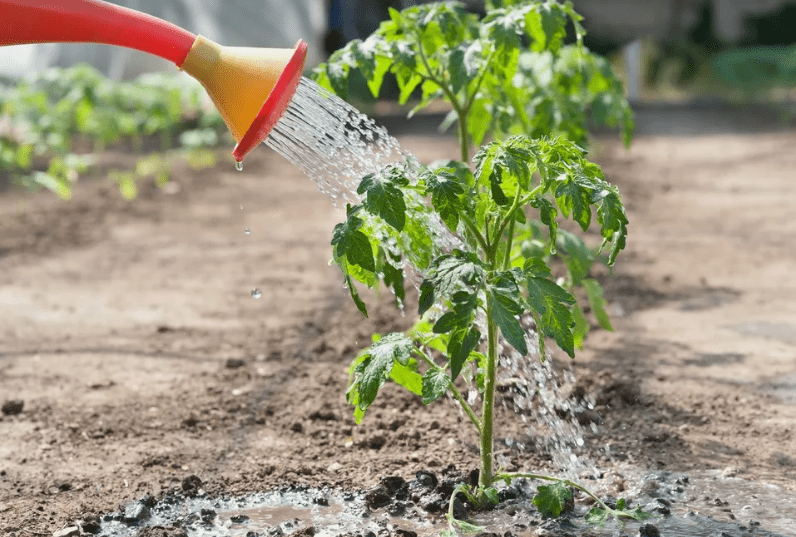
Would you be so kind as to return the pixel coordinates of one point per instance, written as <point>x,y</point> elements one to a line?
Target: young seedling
<point>492,271</point>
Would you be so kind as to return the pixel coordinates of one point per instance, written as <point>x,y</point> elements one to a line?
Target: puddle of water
<point>701,504</point>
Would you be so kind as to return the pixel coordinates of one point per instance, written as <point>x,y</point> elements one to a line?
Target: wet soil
<point>133,356</point>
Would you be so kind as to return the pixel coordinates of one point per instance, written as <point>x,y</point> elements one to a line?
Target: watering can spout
<point>251,87</point>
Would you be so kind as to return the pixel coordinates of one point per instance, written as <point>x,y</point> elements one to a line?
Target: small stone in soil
<point>90,523</point>
<point>377,497</point>
<point>394,484</point>
<point>234,363</point>
<point>191,484</point>
<point>309,531</point>
<point>238,519</point>
<point>13,407</point>
<point>648,530</point>
<point>424,479</point>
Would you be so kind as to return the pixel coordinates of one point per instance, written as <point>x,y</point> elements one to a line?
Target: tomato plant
<point>509,78</point>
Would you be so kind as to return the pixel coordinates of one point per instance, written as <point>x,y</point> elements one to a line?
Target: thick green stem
<point>486,478</point>
<point>463,141</point>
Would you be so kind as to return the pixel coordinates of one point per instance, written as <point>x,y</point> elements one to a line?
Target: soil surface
<point>133,356</point>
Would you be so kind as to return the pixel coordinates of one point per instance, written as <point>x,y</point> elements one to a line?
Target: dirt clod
<point>161,531</point>
<point>377,497</point>
<point>234,363</point>
<point>648,530</point>
<point>191,484</point>
<point>13,407</point>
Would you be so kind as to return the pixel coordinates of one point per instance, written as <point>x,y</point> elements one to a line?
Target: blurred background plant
<point>53,125</point>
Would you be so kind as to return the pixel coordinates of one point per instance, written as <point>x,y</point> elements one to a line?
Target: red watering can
<point>251,87</point>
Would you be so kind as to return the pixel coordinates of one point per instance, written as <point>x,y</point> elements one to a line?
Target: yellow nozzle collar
<point>238,79</point>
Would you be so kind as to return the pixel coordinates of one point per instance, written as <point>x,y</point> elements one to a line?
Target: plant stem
<point>463,142</point>
<point>486,478</point>
<point>456,395</point>
<point>473,228</point>
<point>567,482</point>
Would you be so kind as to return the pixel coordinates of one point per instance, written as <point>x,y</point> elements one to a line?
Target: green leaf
<point>492,495</point>
<point>551,500</point>
<point>505,302</point>
<point>547,214</point>
<point>445,190</point>
<point>597,516</point>
<point>394,277</point>
<point>581,328</point>
<point>610,213</point>
<point>579,257</point>
<point>363,309</point>
<point>435,385</point>
<point>536,267</point>
<point>408,377</point>
<point>384,198</point>
<point>377,364</point>
<point>463,305</point>
<point>550,303</point>
<point>462,342</point>
<point>456,271</point>
<point>426,299</point>
<point>574,197</point>
<point>353,244</point>
<point>597,303</point>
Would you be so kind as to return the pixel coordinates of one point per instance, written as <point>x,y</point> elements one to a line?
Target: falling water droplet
<point>247,231</point>
<point>241,207</point>
<point>256,293</point>
<point>239,166</point>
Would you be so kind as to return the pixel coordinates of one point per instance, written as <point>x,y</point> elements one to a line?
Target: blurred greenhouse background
<point>61,103</point>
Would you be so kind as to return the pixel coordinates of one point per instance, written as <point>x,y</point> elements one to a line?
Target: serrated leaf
<point>610,213</point>
<point>492,495</point>
<point>426,299</point>
<point>536,267</point>
<point>574,198</point>
<point>462,342</point>
<point>551,500</point>
<point>551,305</point>
<point>363,309</point>
<point>596,516</point>
<point>595,293</point>
<point>383,197</point>
<point>505,302</point>
<point>435,385</point>
<point>377,364</point>
<point>581,328</point>
<point>463,306</point>
<point>394,277</point>
<point>445,190</point>
<point>579,257</point>
<point>457,71</point>
<point>352,244</point>
<point>547,214</point>
<point>407,377</point>
<point>455,271</point>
